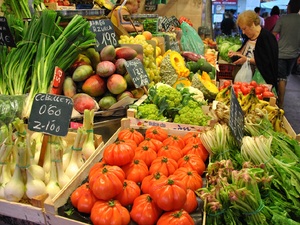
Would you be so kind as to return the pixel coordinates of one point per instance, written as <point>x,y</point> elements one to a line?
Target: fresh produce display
<point>149,60</point>
<point>250,99</point>
<point>181,105</point>
<point>21,175</point>
<point>226,43</point>
<point>255,182</point>
<point>163,188</point>
<point>97,80</point>
<point>42,48</point>
<point>172,67</point>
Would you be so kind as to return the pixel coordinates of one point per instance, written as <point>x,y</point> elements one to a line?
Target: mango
<point>129,80</point>
<point>107,101</point>
<point>116,84</point>
<point>94,86</point>
<point>125,53</point>
<point>82,72</point>
<point>120,66</point>
<point>108,53</point>
<point>105,68</point>
<point>69,87</point>
<point>84,101</point>
<point>93,55</point>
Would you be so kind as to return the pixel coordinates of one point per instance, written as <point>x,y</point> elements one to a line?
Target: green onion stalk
<point>257,123</point>
<point>286,173</point>
<point>221,144</point>
<point>73,39</point>
<point>17,68</point>
<point>18,8</point>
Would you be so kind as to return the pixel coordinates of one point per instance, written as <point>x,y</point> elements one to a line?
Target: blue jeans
<point>285,67</point>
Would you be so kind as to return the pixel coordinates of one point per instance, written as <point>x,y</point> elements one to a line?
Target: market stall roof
<point>282,4</point>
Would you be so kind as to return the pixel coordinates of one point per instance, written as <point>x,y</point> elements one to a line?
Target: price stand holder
<point>51,115</point>
<point>6,37</point>
<point>137,72</point>
<point>236,119</point>
<point>105,33</point>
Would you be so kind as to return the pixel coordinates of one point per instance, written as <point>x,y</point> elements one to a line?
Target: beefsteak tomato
<point>178,217</point>
<point>109,212</point>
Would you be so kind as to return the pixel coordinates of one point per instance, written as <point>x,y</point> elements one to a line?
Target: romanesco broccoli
<point>192,113</point>
<point>150,112</point>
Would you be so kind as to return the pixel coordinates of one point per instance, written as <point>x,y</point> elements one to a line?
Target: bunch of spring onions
<point>20,178</point>
<point>221,144</point>
<point>285,171</point>
<point>61,52</point>
<point>241,196</point>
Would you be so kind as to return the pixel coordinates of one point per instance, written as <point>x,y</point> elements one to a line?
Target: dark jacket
<point>266,56</point>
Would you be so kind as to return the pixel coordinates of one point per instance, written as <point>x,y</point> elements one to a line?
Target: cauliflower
<point>192,113</point>
<point>150,112</point>
<point>196,94</point>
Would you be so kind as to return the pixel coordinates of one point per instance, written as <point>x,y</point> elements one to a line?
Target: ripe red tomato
<point>130,192</point>
<point>197,149</point>
<point>175,140</point>
<point>145,153</point>
<point>192,161</point>
<point>191,203</point>
<point>259,90</point>
<point>119,153</point>
<point>157,133</point>
<point>153,143</point>
<point>131,133</point>
<point>107,182</point>
<point>259,96</point>
<point>253,83</point>
<point>267,94</point>
<point>175,218</point>
<point>109,212</point>
<point>145,210</point>
<point>148,181</point>
<point>170,151</point>
<point>136,171</point>
<point>170,194</point>
<point>245,89</point>
<point>227,83</point>
<point>189,177</point>
<point>83,198</point>
<point>192,137</point>
<point>164,165</point>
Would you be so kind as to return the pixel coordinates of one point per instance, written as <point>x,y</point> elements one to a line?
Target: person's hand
<point>231,53</point>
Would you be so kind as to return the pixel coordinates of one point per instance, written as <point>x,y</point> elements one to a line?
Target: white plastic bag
<point>244,74</point>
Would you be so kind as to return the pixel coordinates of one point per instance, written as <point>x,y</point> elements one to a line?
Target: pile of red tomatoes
<point>262,91</point>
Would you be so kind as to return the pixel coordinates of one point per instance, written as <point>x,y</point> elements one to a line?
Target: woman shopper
<point>259,47</point>
<point>271,20</point>
<point>122,9</point>
<point>287,27</point>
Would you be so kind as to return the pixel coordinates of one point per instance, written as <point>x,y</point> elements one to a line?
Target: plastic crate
<point>225,71</point>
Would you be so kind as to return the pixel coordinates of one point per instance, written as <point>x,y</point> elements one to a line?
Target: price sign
<point>236,120</point>
<point>50,114</point>
<point>58,81</point>
<point>165,24</point>
<point>174,21</point>
<point>6,37</point>
<point>150,6</point>
<point>105,33</point>
<point>137,72</point>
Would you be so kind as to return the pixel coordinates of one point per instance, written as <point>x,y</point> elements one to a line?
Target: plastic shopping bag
<point>190,40</point>
<point>258,77</point>
<point>244,74</point>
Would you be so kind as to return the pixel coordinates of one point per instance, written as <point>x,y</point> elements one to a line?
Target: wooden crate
<point>33,210</point>
<point>51,208</point>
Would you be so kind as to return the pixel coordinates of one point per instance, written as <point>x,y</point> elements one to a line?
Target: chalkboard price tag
<point>137,72</point>
<point>105,33</point>
<point>50,114</point>
<point>236,119</point>
<point>165,24</point>
<point>6,37</point>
